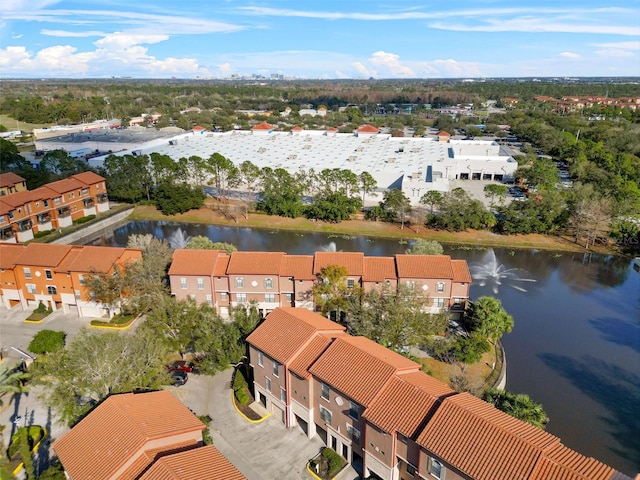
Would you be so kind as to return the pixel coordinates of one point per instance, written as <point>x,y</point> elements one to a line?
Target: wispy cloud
<point>66,33</point>
<point>569,55</point>
<point>539,25</point>
<point>633,45</point>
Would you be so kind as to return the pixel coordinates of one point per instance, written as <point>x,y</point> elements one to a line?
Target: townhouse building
<point>275,279</point>
<point>55,275</point>
<point>145,436</point>
<point>54,205</point>
<point>379,411</point>
<point>11,183</point>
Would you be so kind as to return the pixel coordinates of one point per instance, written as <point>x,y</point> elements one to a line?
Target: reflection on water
<point>575,346</point>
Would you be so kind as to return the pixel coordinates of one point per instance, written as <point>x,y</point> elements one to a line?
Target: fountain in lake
<point>330,247</point>
<point>178,239</point>
<point>490,272</point>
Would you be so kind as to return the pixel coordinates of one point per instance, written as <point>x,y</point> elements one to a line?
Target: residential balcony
<point>64,212</point>
<point>102,198</point>
<point>7,235</point>
<point>43,218</point>
<point>88,202</point>
<point>25,225</point>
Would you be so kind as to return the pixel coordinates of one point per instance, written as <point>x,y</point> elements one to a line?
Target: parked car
<point>183,366</point>
<point>178,377</point>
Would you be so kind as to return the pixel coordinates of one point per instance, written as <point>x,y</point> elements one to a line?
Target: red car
<point>183,366</point>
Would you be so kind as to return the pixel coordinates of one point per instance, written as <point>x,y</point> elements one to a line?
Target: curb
<point>19,467</point>
<point>233,401</point>
<point>115,327</point>
<point>311,472</point>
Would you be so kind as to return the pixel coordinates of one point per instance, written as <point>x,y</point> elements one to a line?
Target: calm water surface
<point>575,346</point>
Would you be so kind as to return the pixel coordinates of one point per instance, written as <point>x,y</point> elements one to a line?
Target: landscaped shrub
<point>239,382</point>
<point>42,233</point>
<point>47,341</point>
<point>82,220</point>
<point>42,309</point>
<point>335,461</point>
<point>242,396</point>
<point>470,349</point>
<point>207,439</point>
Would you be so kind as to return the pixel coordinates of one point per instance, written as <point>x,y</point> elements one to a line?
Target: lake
<point>575,346</point>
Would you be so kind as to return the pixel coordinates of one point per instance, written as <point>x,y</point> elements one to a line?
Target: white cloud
<point>363,70</point>
<point>391,64</point>
<point>225,69</point>
<point>634,45</point>
<point>12,56</point>
<point>119,40</point>
<point>569,55</point>
<point>16,36</point>
<point>65,33</point>
<point>613,52</point>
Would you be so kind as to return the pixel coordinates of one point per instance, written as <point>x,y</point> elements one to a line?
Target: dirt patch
<point>475,374</point>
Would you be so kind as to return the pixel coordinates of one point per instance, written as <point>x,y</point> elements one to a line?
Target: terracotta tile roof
<point>147,457</point>
<point>198,128</point>
<point>221,266</point>
<point>88,178</point>
<point>187,261</point>
<point>332,129</point>
<point>255,263</point>
<point>352,261</point>
<point>483,442</point>
<point>43,255</point>
<point>287,329</point>
<point>368,129</point>
<point>428,384</point>
<point>308,355</point>
<point>461,271</point>
<point>444,134</point>
<point>424,266</point>
<point>194,464</point>
<point>18,199</point>
<point>297,128</point>
<point>299,267</point>
<point>359,367</point>
<point>143,416</point>
<point>378,269</point>
<point>563,463</point>
<point>99,259</point>
<point>401,407</point>
<point>66,185</point>
<point>8,254</point>
<point>9,179</point>
<point>263,126</point>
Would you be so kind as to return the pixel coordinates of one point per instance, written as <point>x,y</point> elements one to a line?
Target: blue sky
<point>319,39</point>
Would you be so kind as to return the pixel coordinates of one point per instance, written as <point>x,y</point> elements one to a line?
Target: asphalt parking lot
<point>262,451</point>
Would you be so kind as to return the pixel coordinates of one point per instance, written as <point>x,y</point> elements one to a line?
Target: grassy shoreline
<point>359,227</point>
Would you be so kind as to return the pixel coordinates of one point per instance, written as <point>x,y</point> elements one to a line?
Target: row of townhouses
<point>275,279</point>
<point>24,213</point>
<point>55,275</point>
<point>377,409</point>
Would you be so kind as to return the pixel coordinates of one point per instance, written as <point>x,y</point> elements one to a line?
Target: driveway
<point>262,451</point>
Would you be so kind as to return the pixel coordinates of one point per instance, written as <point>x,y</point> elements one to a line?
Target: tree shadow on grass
<point>618,331</point>
<point>614,388</point>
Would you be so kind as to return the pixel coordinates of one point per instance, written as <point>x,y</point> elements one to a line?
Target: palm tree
<point>11,381</point>
<point>519,406</point>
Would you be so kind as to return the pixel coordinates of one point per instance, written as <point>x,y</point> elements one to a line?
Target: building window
<point>270,297</point>
<point>200,284</point>
<point>411,470</point>
<point>267,384</point>
<point>351,283</point>
<point>268,283</point>
<point>85,191</point>
<point>209,300</point>
<point>241,297</point>
<point>223,296</point>
<point>411,284</point>
<point>56,201</point>
<point>240,282</point>
<point>276,367</point>
<point>325,415</point>
<point>1,218</point>
<point>353,410</point>
<point>457,302</point>
<point>31,288</point>
<point>48,274</point>
<point>435,468</point>
<point>283,395</point>
<point>183,283</point>
<point>27,272</point>
<point>440,287</point>
<point>438,302</point>
<point>78,295</point>
<point>289,297</point>
<point>261,359</point>
<point>51,290</point>
<point>45,203</point>
<point>325,391</point>
<point>354,434</point>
